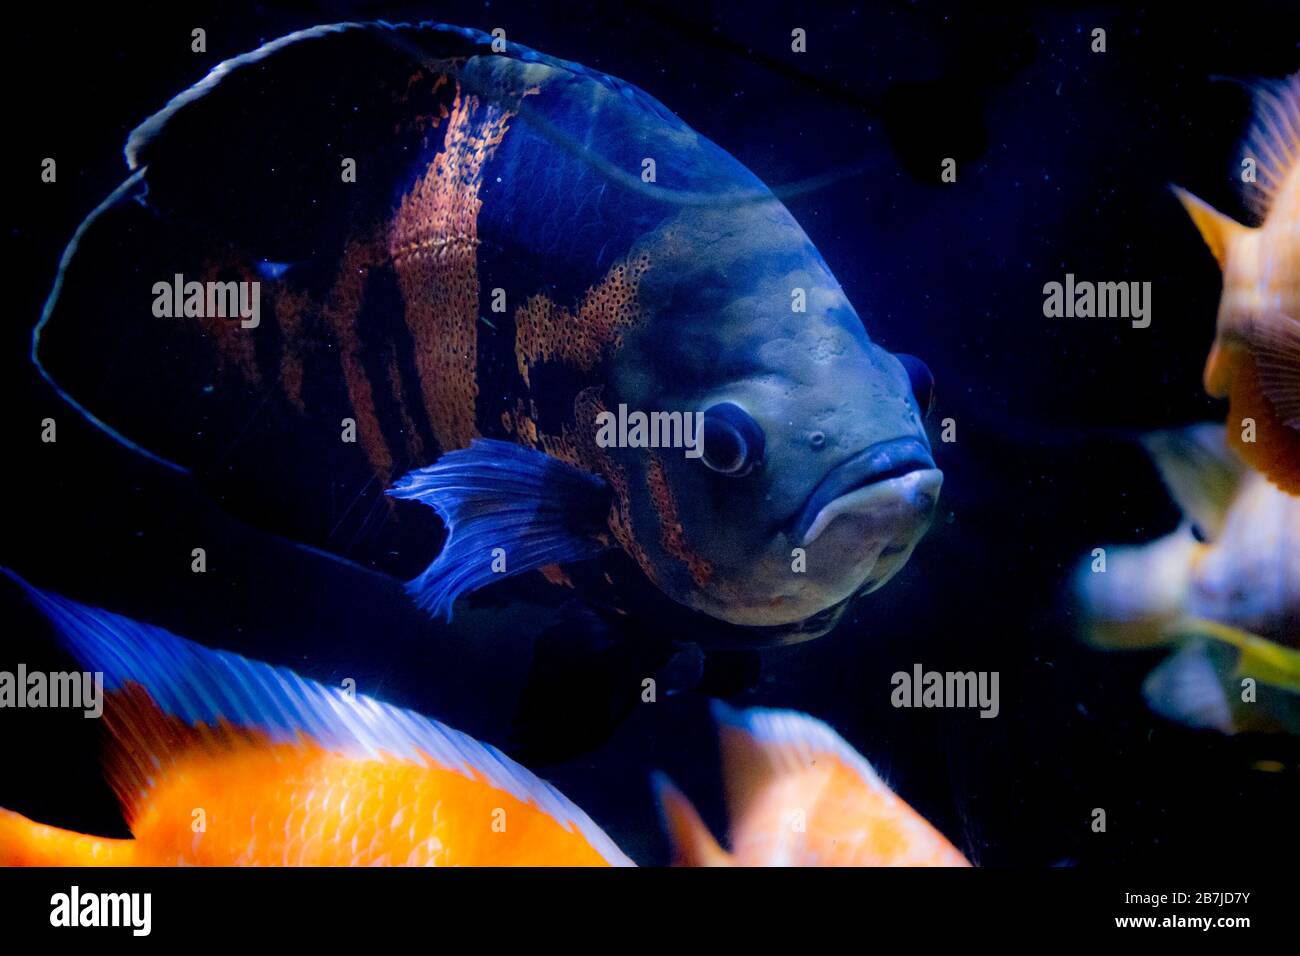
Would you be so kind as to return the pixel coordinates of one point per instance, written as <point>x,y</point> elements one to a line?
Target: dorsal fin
<point>420,42</point>
<point>759,746</point>
<point>1273,141</point>
<point>167,696</point>
<point>141,138</point>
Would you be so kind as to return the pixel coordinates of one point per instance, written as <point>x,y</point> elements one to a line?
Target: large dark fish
<point>502,272</point>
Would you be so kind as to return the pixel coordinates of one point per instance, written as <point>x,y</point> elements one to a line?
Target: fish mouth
<point>885,471</point>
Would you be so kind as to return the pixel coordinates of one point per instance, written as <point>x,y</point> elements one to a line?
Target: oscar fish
<point>462,255</point>
<point>1222,590</point>
<point>1255,358</point>
<point>223,761</point>
<point>799,795</point>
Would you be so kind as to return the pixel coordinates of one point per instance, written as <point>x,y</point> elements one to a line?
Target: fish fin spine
<point>1271,447</point>
<point>1274,341</point>
<point>168,699</point>
<point>1218,231</point>
<point>508,509</point>
<point>1273,142</point>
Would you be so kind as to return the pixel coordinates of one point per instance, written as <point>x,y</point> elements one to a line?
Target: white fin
<point>1187,689</point>
<point>1200,471</point>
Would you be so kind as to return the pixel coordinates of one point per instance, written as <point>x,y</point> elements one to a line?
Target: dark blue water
<point>1063,160</point>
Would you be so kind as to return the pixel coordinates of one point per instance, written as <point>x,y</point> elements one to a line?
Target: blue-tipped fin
<point>507,509</point>
<point>194,696</point>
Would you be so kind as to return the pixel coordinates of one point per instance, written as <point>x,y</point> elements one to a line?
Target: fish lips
<point>894,484</point>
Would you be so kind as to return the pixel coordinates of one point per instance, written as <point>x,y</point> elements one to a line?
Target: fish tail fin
<point>1218,231</point>
<point>1273,141</point>
<point>128,187</point>
<point>692,843</point>
<point>1187,688</point>
<point>508,509</point>
<point>26,843</point>
<point>1258,372</point>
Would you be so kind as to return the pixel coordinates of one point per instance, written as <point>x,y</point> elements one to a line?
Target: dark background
<point>1064,156</point>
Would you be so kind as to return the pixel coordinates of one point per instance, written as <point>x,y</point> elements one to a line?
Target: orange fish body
<point>1255,359</point>
<point>301,806</point>
<point>221,761</point>
<point>293,806</point>
<point>799,795</point>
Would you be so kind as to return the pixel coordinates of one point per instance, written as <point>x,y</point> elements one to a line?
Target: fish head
<point>814,478</point>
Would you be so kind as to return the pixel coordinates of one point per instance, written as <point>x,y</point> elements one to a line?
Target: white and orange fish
<point>1223,589</point>
<point>799,795</point>
<point>222,761</point>
<point>1255,359</point>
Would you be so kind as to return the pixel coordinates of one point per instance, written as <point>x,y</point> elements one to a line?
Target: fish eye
<point>733,441</point>
<point>918,373</point>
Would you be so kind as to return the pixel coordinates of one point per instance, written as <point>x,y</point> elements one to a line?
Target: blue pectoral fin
<point>508,509</point>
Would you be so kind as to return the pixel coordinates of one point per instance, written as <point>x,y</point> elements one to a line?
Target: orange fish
<point>222,761</point>
<point>799,795</point>
<point>1255,359</point>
